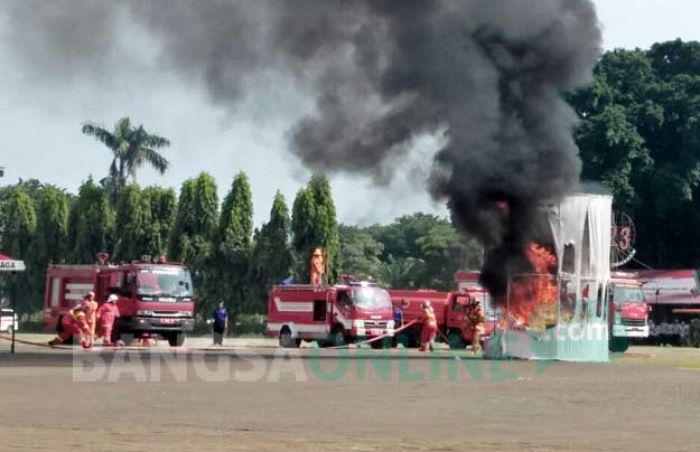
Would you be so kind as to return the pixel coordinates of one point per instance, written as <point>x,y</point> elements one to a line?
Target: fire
<point>533,297</point>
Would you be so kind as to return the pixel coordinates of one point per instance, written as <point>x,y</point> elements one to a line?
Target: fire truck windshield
<point>164,281</point>
<point>371,297</point>
<point>627,294</point>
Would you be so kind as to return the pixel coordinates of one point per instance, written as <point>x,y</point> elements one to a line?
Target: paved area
<point>251,395</point>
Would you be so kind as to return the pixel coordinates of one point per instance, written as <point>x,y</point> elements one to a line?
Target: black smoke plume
<point>486,75</point>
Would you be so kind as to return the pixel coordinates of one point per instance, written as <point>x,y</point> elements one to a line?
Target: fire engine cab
<point>154,298</point>
<point>337,314</point>
<point>629,311</point>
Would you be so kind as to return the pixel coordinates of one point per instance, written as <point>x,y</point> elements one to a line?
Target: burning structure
<point>559,309</point>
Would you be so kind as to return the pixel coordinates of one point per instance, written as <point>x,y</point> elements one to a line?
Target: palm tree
<point>132,147</point>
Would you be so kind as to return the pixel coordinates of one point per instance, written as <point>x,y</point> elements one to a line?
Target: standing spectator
<point>398,316</point>
<point>220,324</point>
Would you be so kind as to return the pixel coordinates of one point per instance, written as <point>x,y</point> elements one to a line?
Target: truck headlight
<point>358,323</point>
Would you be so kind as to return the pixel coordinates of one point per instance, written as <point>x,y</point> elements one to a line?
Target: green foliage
<point>231,262</point>
<point>640,136</point>
<point>196,220</point>
<point>272,257</point>
<point>162,203</point>
<point>131,148</point>
<point>314,224</point>
<point>360,253</point>
<point>52,225</point>
<point>90,224</point>
<point>193,233</point>
<point>419,251</point>
<point>18,236</point>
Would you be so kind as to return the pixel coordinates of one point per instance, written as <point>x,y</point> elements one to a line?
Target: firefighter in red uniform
<point>429,330</point>
<point>107,314</point>
<point>73,323</point>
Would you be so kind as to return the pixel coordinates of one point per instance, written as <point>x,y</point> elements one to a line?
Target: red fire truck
<point>628,315</point>
<point>450,313</point>
<point>154,298</point>
<point>337,314</point>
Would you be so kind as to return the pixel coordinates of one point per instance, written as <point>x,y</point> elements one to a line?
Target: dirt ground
<point>251,396</point>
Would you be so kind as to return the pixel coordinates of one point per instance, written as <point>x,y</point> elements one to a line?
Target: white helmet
<point>112,299</point>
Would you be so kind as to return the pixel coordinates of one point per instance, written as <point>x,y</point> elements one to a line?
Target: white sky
<point>40,125</point>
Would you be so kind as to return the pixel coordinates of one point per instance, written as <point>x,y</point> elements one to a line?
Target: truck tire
<point>176,339</point>
<point>382,343</point>
<point>126,338</point>
<point>455,340</point>
<point>338,337</point>
<point>618,344</point>
<point>286,340</point>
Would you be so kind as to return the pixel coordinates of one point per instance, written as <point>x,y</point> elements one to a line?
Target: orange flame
<point>533,298</point>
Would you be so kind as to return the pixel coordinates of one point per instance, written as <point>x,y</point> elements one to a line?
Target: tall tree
<point>90,223</point>
<point>194,230</point>
<point>131,147</point>
<point>314,224</point>
<point>360,253</point>
<point>639,137</point>
<point>233,241</point>
<point>17,240</point>
<point>272,258</point>
<point>132,225</point>
<point>52,226</point>
<point>162,203</point>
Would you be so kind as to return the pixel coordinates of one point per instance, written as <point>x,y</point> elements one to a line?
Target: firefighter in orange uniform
<point>90,307</point>
<point>429,330</point>
<point>317,267</point>
<point>73,323</point>
<point>475,316</point>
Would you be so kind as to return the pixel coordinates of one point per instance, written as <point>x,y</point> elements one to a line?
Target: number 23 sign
<point>621,237</point>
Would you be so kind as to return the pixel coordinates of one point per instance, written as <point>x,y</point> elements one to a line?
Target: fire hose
<point>22,341</point>
<point>374,339</point>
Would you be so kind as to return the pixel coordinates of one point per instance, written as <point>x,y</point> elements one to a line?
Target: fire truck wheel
<point>338,337</point>
<point>618,344</point>
<point>286,339</point>
<point>455,340</point>
<point>382,344</point>
<point>176,339</point>
<point>126,338</point>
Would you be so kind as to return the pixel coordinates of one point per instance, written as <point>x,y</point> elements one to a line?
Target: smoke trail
<point>488,75</point>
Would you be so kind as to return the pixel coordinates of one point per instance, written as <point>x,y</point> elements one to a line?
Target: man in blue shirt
<point>220,324</point>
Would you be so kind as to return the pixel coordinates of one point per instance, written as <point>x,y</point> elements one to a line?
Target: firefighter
<point>90,307</point>
<point>317,267</point>
<point>73,323</point>
<point>475,316</point>
<point>429,330</point>
<point>107,314</point>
